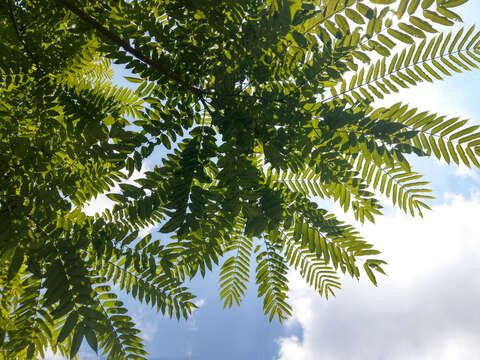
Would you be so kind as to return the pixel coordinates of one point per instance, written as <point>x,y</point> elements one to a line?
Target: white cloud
<point>440,97</point>
<point>464,171</point>
<point>291,348</point>
<point>144,318</point>
<point>427,307</point>
<point>188,350</point>
<point>199,302</point>
<point>192,319</point>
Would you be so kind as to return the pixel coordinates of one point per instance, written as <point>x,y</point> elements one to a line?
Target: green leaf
<point>16,263</point>
<point>413,5</point>
<point>76,341</point>
<point>422,24</point>
<point>437,18</point>
<point>68,326</point>
<point>91,337</point>
<point>452,3</point>
<point>354,16</point>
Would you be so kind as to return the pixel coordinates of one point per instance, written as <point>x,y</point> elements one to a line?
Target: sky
<point>426,308</point>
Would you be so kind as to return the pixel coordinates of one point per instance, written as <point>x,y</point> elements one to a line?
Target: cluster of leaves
<point>255,108</point>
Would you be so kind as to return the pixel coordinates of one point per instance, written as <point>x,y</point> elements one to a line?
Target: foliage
<point>257,107</point>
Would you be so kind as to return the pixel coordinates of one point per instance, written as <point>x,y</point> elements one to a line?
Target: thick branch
<point>128,48</point>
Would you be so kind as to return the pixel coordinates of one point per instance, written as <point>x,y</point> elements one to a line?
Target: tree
<point>257,107</point>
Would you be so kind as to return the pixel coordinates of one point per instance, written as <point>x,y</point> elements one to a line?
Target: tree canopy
<point>258,109</point>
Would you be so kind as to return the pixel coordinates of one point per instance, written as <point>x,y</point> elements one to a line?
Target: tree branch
<point>19,35</point>
<point>128,48</point>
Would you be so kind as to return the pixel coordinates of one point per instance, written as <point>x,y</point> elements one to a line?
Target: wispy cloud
<point>146,320</point>
<point>442,98</point>
<point>192,320</point>
<point>464,171</point>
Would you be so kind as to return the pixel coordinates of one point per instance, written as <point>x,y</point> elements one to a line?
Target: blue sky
<point>427,307</point>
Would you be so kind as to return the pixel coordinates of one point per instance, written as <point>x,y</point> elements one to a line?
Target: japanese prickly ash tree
<point>255,107</point>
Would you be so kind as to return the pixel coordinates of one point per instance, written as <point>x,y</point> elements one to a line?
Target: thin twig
<point>205,105</point>
<point>19,35</point>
